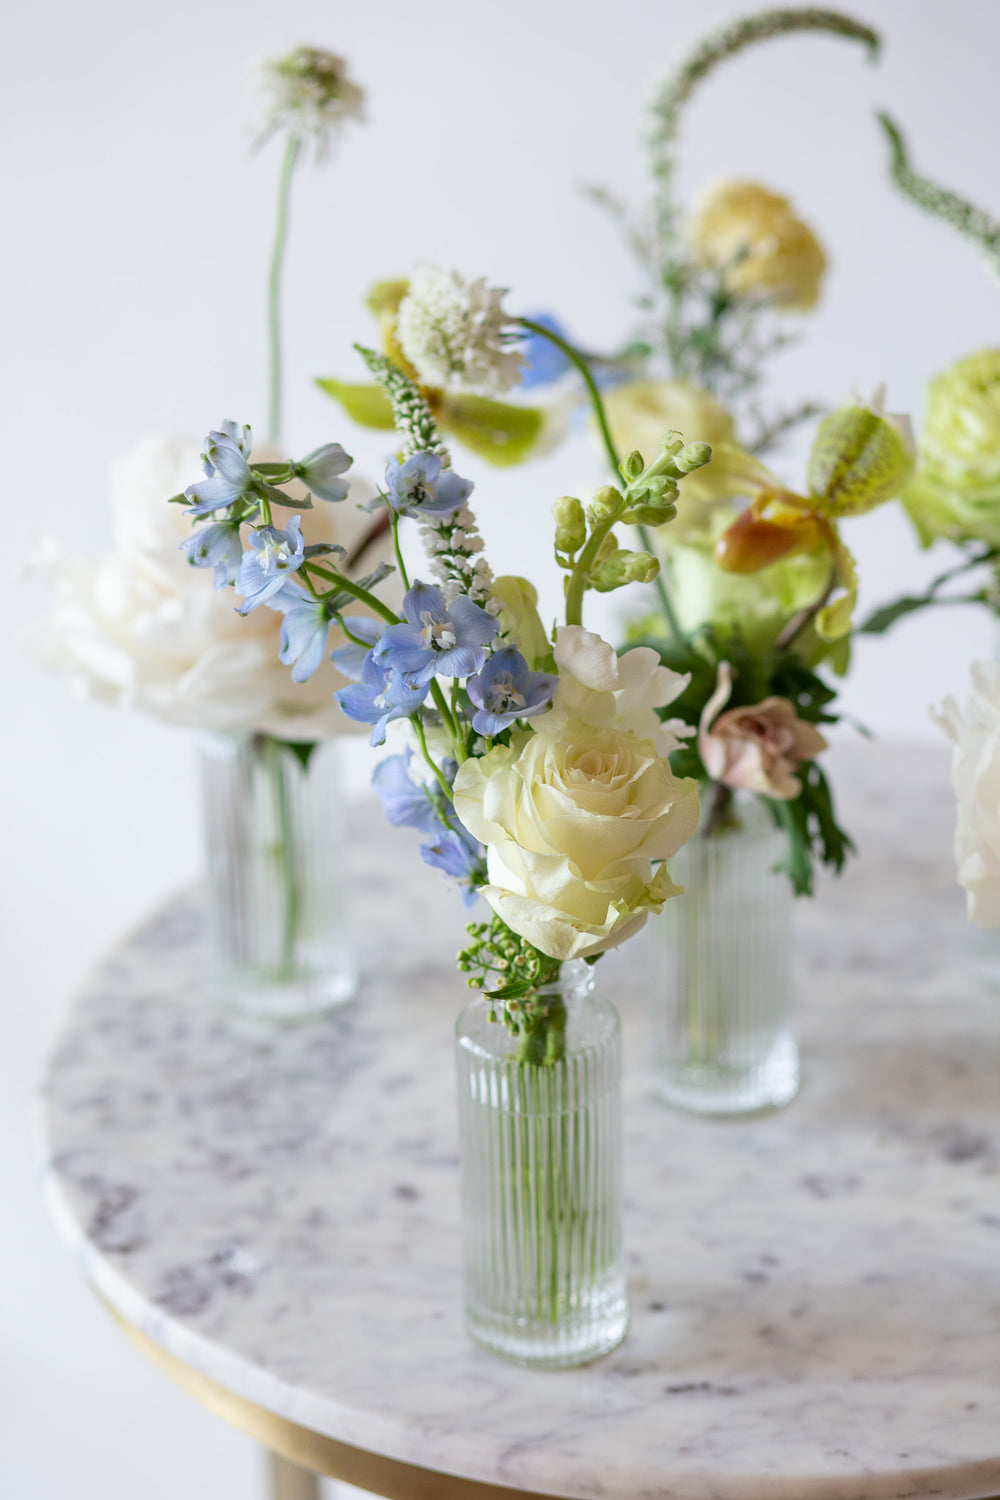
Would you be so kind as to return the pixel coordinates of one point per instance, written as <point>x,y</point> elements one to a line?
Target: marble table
<point>815,1294</point>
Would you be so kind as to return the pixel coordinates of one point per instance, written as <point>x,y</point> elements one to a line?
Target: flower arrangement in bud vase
<point>536,770</point>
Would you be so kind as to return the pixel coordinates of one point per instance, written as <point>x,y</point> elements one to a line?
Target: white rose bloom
<point>572,821</point>
<point>975,775</point>
<point>613,692</point>
<point>140,626</point>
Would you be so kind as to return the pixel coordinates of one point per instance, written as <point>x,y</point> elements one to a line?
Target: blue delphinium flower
<point>506,689</point>
<point>224,459</point>
<point>404,801</point>
<point>217,546</point>
<point>419,486</point>
<point>265,568</point>
<point>459,855</point>
<point>437,638</point>
<point>350,659</point>
<point>305,629</point>
<point>319,471</point>
<point>379,697</point>
<point>544,362</point>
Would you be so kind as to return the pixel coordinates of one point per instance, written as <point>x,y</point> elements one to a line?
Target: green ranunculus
<point>956,490</point>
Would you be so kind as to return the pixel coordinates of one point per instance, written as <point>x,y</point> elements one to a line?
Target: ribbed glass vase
<point>274,853</point>
<point>722,1004</point>
<point>540,1141</point>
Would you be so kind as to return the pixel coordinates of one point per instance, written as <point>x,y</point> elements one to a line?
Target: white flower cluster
<point>307,93</point>
<point>975,776</point>
<point>451,545</point>
<point>451,331</point>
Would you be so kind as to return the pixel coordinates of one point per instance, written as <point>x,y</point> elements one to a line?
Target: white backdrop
<point>136,236</point>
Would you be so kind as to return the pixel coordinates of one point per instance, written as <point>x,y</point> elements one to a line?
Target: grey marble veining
<point>815,1294</point>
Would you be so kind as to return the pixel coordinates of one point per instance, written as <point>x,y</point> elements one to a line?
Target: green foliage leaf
<point>498,431</point>
<point>301,749</point>
<point>278,497</point>
<point>368,405</point>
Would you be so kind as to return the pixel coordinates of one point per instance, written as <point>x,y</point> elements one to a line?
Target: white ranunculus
<point>140,626</point>
<point>975,775</point>
<point>572,821</point>
<point>613,692</point>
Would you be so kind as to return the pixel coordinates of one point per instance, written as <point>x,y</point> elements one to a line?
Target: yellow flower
<point>956,491</point>
<point>755,239</point>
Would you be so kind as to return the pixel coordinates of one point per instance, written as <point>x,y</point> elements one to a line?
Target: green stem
<point>418,730</point>
<point>578,361</point>
<point>450,724</point>
<point>662,592</point>
<point>577,582</point>
<point>274,287</point>
<point>355,590</point>
<point>394,523</point>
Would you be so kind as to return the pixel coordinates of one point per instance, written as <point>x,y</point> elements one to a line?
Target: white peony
<point>614,692</point>
<point>141,627</point>
<point>572,821</point>
<point>975,775</point>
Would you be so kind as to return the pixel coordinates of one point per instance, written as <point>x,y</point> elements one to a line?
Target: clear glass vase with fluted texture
<point>722,996</point>
<point>540,1141</point>
<point>274,847</point>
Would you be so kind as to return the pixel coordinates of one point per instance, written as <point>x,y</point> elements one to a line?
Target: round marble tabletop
<point>815,1294</point>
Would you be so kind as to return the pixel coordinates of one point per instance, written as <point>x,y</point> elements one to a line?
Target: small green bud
<point>632,466</point>
<point>604,551</point>
<point>692,456</point>
<point>623,567</point>
<point>605,506</point>
<point>657,490</point>
<point>649,515</point>
<point>571,524</point>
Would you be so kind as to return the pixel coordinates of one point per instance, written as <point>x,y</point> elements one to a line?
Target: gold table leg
<point>290,1482</point>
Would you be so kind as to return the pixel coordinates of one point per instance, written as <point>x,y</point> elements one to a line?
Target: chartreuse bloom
<point>859,459</point>
<point>955,492</point>
<point>502,432</point>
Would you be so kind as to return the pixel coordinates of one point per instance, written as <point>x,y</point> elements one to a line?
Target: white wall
<point>134,250</point>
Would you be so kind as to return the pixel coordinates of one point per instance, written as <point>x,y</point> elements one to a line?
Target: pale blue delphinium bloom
<point>420,486</point>
<point>506,689</point>
<point>224,460</point>
<point>305,629</point>
<point>350,659</point>
<point>438,638</point>
<point>273,555</point>
<point>217,546</point>
<point>459,855</point>
<point>321,469</point>
<point>544,362</point>
<point>405,802</point>
<point>378,698</point>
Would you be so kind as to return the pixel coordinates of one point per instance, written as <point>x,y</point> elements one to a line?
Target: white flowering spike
<point>307,93</point>
<point>451,331</point>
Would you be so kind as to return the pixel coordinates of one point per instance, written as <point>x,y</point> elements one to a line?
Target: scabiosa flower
<point>273,556</point>
<point>307,93</point>
<point>321,469</point>
<point>380,697</point>
<point>224,460</point>
<point>217,546</point>
<point>506,689</point>
<point>451,331</point>
<point>437,638</point>
<point>422,486</point>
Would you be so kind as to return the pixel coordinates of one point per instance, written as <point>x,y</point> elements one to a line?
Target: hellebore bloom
<point>404,801</point>
<point>217,546</point>
<point>350,659</point>
<point>319,471</point>
<point>506,689</point>
<point>379,697</point>
<point>421,487</point>
<point>224,459</point>
<point>265,568</point>
<point>449,639</point>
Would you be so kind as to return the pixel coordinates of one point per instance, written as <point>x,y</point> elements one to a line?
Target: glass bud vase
<point>540,1144</point>
<point>723,1001</point>
<point>274,846</point>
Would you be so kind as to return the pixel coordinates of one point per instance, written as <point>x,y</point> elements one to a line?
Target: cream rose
<point>975,776</point>
<point>572,821</point>
<point>139,626</point>
<point>755,238</point>
<point>613,692</point>
<point>755,748</point>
